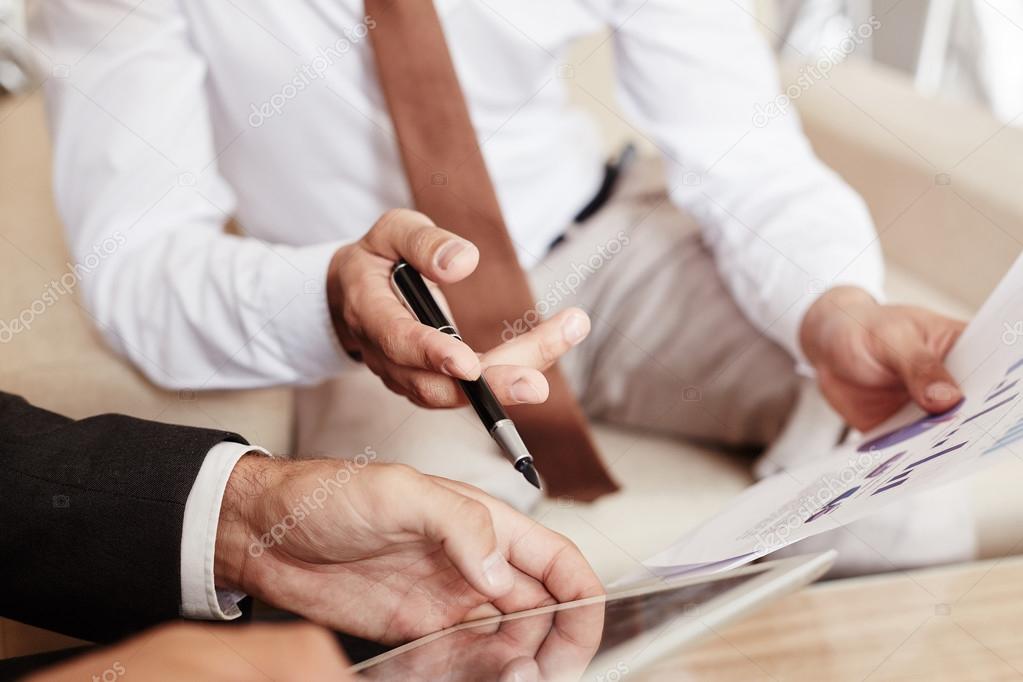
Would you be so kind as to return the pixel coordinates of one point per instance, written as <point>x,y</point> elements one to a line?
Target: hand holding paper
<point>908,453</point>
<point>871,359</point>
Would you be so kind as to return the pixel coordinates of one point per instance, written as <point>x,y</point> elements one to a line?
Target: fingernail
<point>576,328</point>
<point>529,674</point>
<point>497,573</point>
<point>940,392</point>
<point>523,392</point>
<point>448,253</point>
<point>452,368</point>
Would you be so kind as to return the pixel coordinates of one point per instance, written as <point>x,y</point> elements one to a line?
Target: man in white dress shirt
<point>707,279</point>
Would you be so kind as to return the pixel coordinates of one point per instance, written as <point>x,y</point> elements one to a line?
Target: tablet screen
<point>552,645</point>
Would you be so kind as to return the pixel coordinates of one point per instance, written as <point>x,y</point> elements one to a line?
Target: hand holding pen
<point>414,360</point>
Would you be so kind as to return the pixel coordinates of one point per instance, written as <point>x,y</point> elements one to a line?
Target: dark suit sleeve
<point>91,515</point>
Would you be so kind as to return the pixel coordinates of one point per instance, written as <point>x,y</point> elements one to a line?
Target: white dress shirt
<point>200,597</point>
<point>171,116</point>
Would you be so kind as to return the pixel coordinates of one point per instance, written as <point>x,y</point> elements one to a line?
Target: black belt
<point>613,171</point>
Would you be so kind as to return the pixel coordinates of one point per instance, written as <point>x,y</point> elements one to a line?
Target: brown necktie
<point>451,185</point>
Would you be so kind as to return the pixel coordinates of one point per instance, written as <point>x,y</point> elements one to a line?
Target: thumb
<point>437,254</point>
<point>923,372</point>
<point>465,530</point>
<point>521,669</point>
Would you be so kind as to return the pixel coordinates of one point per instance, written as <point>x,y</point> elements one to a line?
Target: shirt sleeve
<point>200,598</point>
<point>699,80</point>
<point>137,185</point>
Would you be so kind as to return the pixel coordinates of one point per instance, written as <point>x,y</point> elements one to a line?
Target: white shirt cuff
<point>300,314</point>
<point>200,598</point>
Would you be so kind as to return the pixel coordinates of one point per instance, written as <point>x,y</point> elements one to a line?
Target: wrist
<point>336,301</point>
<point>335,291</point>
<point>241,514</point>
<point>828,315</point>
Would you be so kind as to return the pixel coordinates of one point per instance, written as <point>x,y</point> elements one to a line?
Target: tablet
<point>602,638</point>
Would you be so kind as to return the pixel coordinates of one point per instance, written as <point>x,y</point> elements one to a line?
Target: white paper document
<point>910,452</point>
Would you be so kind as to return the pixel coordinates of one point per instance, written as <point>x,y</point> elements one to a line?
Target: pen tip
<point>527,469</point>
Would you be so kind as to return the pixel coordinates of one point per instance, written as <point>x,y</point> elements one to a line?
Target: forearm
<point>200,310</point>
<point>787,243</point>
<point>782,226</point>
<point>144,207</point>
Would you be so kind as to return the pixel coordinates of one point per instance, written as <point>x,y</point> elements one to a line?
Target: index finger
<point>544,344</point>
<point>405,341</point>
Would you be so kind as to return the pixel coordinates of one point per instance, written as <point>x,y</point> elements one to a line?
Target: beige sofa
<point>947,243</point>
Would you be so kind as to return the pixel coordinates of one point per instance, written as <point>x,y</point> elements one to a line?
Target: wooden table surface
<point>954,623</point>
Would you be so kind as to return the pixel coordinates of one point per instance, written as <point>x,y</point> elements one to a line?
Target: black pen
<point>412,290</point>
